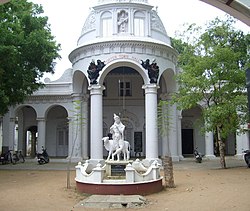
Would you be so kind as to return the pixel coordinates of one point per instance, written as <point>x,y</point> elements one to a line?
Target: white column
<point>85,134</point>
<point>41,125</point>
<point>151,121</point>
<point>173,137</point>
<point>179,137</point>
<point>96,122</point>
<point>165,133</point>
<point>75,146</point>
<point>6,125</point>
<point>12,133</point>
<point>209,145</point>
<point>20,134</point>
<point>242,143</point>
<point>71,131</point>
<point>16,144</point>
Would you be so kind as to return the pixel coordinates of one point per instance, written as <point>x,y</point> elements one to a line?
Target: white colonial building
<point>136,69</point>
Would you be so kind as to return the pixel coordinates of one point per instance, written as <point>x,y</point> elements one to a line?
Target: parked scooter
<point>197,156</point>
<point>247,157</point>
<point>43,157</point>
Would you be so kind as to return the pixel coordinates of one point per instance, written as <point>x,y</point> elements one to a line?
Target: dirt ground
<point>197,188</point>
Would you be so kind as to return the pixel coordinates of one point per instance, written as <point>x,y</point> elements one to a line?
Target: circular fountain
<point>115,177</point>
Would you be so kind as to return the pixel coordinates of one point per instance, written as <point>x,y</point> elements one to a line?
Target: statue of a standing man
<point>117,131</point>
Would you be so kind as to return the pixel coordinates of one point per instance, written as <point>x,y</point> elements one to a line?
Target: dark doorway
<point>187,141</point>
<point>31,143</point>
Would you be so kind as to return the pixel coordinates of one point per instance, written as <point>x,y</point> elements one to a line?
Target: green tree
<point>164,126</point>
<point>213,62</point>
<point>77,121</point>
<point>27,51</point>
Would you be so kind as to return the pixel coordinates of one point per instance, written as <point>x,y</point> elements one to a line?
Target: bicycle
<point>18,156</point>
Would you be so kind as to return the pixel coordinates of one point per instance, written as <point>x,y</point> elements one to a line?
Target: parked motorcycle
<point>197,156</point>
<point>43,157</point>
<point>247,157</point>
<point>6,157</point>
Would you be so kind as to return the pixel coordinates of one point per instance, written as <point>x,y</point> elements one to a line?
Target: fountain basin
<point>115,187</point>
<point>100,179</point>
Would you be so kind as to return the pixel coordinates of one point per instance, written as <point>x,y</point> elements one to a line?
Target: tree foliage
<point>27,51</point>
<point>213,62</point>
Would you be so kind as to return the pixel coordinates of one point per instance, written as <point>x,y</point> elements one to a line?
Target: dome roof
<point>115,20</point>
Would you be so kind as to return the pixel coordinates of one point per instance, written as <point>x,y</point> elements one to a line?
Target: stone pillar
<point>151,121</point>
<point>209,145</point>
<point>96,122</point>
<point>85,133</point>
<point>173,140</point>
<point>75,145</point>
<point>33,144</point>
<point>242,143</point>
<point>165,129</point>
<point>6,125</point>
<point>12,133</point>
<point>16,144</point>
<point>41,129</point>
<point>179,137</point>
<point>130,173</point>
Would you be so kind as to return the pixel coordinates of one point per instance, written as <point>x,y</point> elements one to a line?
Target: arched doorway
<point>57,131</point>
<point>26,117</point>
<point>31,141</point>
<point>191,130</point>
<point>187,134</point>
<point>124,96</point>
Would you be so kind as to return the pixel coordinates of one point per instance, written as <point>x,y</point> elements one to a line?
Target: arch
<point>57,131</point>
<point>139,23</point>
<point>123,62</point>
<point>167,81</point>
<point>25,107</point>
<point>191,125</point>
<point>106,14</point>
<point>106,27</point>
<point>26,117</point>
<point>235,8</point>
<point>79,82</point>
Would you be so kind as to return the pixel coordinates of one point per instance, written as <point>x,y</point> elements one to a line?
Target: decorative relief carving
<point>89,23</point>
<point>122,21</point>
<point>131,47</point>
<point>156,23</point>
<point>48,99</point>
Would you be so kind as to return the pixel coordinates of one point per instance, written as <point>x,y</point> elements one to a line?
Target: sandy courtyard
<point>198,187</point>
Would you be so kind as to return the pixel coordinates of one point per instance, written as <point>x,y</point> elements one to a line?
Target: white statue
<point>117,142</point>
<point>111,147</point>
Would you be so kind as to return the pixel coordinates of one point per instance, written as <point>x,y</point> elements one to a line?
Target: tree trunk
<point>222,154</point>
<point>221,150</point>
<point>168,171</point>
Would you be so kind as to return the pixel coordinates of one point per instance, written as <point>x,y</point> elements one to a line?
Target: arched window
<point>139,24</point>
<point>106,24</point>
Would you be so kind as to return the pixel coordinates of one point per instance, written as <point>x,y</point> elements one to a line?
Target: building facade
<point>124,64</point>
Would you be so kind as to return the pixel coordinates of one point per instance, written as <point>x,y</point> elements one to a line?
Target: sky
<point>67,19</point>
